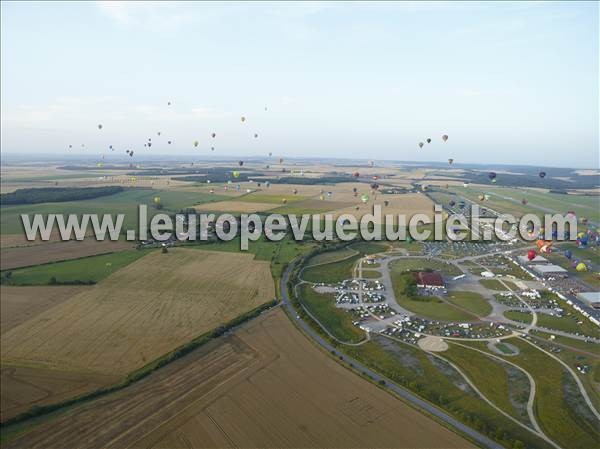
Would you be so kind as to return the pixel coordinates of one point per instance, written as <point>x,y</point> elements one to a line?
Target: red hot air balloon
<point>531,254</point>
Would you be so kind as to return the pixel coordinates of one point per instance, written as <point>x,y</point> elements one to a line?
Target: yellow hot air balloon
<point>236,174</point>
<point>581,267</point>
<point>156,200</point>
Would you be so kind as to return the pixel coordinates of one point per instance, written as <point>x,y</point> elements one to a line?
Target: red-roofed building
<point>427,279</point>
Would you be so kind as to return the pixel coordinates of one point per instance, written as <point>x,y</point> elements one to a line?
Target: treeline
<point>300,180</point>
<point>145,370</point>
<point>56,194</point>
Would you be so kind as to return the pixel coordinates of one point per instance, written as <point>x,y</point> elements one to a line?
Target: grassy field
<point>495,284</point>
<point>331,256</point>
<point>426,306</point>
<point>93,268</point>
<point>471,301</point>
<point>370,274</point>
<point>368,248</point>
<point>567,323</point>
<point>270,199</point>
<point>492,378</point>
<point>553,409</point>
<point>330,273</point>
<point>336,321</point>
<point>440,384</point>
<point>424,264</point>
<point>251,389</point>
<point>121,203</point>
<point>141,312</point>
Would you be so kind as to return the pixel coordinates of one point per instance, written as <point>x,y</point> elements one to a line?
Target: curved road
<point>403,393</point>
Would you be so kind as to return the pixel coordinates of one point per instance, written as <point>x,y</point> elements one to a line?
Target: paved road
<point>403,393</point>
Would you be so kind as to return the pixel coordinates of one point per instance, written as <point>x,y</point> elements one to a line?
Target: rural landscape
<point>245,338</point>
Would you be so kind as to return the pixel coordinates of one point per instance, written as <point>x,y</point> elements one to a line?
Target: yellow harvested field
<point>265,386</point>
<point>408,204</point>
<point>233,206</point>
<point>19,304</point>
<point>141,312</point>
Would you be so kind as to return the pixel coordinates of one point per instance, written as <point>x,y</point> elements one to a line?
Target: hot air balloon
<point>481,197</point>
<point>240,163</point>
<point>356,207</point>
<point>243,119</point>
<point>211,191</point>
<point>213,135</point>
<point>531,254</point>
<point>364,197</point>
<point>281,160</point>
<point>354,189</point>
<point>158,133</point>
<point>356,174</point>
<point>270,154</point>
<point>386,203</point>
<point>100,126</point>
<point>255,135</point>
<point>212,148</point>
<point>295,191</point>
<point>568,254</point>
<point>168,103</point>
<point>581,267</point>
<point>374,186</point>
<point>196,143</point>
<point>524,202</point>
<point>70,146</point>
<point>445,137</point>
<point>421,144</point>
<point>542,174</point>
<point>235,173</point>
<point>169,142</point>
<point>284,201</point>
<point>450,161</point>
<point>149,144</point>
<point>428,140</point>
<point>465,184</point>
<point>156,200</point>
<point>487,196</point>
<point>452,203</point>
<point>492,175</point>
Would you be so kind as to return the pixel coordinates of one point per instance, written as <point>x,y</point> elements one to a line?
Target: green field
<point>86,269</point>
<point>331,256</point>
<point>492,379</point>
<point>495,284</point>
<point>401,265</point>
<point>121,203</point>
<point>368,248</point>
<point>270,199</point>
<point>410,367</point>
<point>556,417</point>
<point>330,273</point>
<point>508,200</point>
<point>370,274</point>
<point>566,323</point>
<point>430,307</point>
<point>471,301</point>
<point>338,322</point>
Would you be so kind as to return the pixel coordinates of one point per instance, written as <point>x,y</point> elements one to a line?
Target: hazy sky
<point>509,82</point>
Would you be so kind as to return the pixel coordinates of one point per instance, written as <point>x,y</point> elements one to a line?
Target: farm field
<point>11,258</point>
<point>90,269</point>
<point>226,393</point>
<point>19,304</point>
<point>141,312</point>
<point>121,203</point>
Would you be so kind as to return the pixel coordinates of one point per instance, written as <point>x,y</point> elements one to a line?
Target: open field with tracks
<point>53,252</point>
<point>228,393</point>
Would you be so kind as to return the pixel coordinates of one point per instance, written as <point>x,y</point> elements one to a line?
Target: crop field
<point>227,393</point>
<point>141,312</point>
<point>121,203</point>
<point>25,256</point>
<point>235,206</point>
<point>88,269</point>
<point>19,304</point>
<point>408,204</point>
